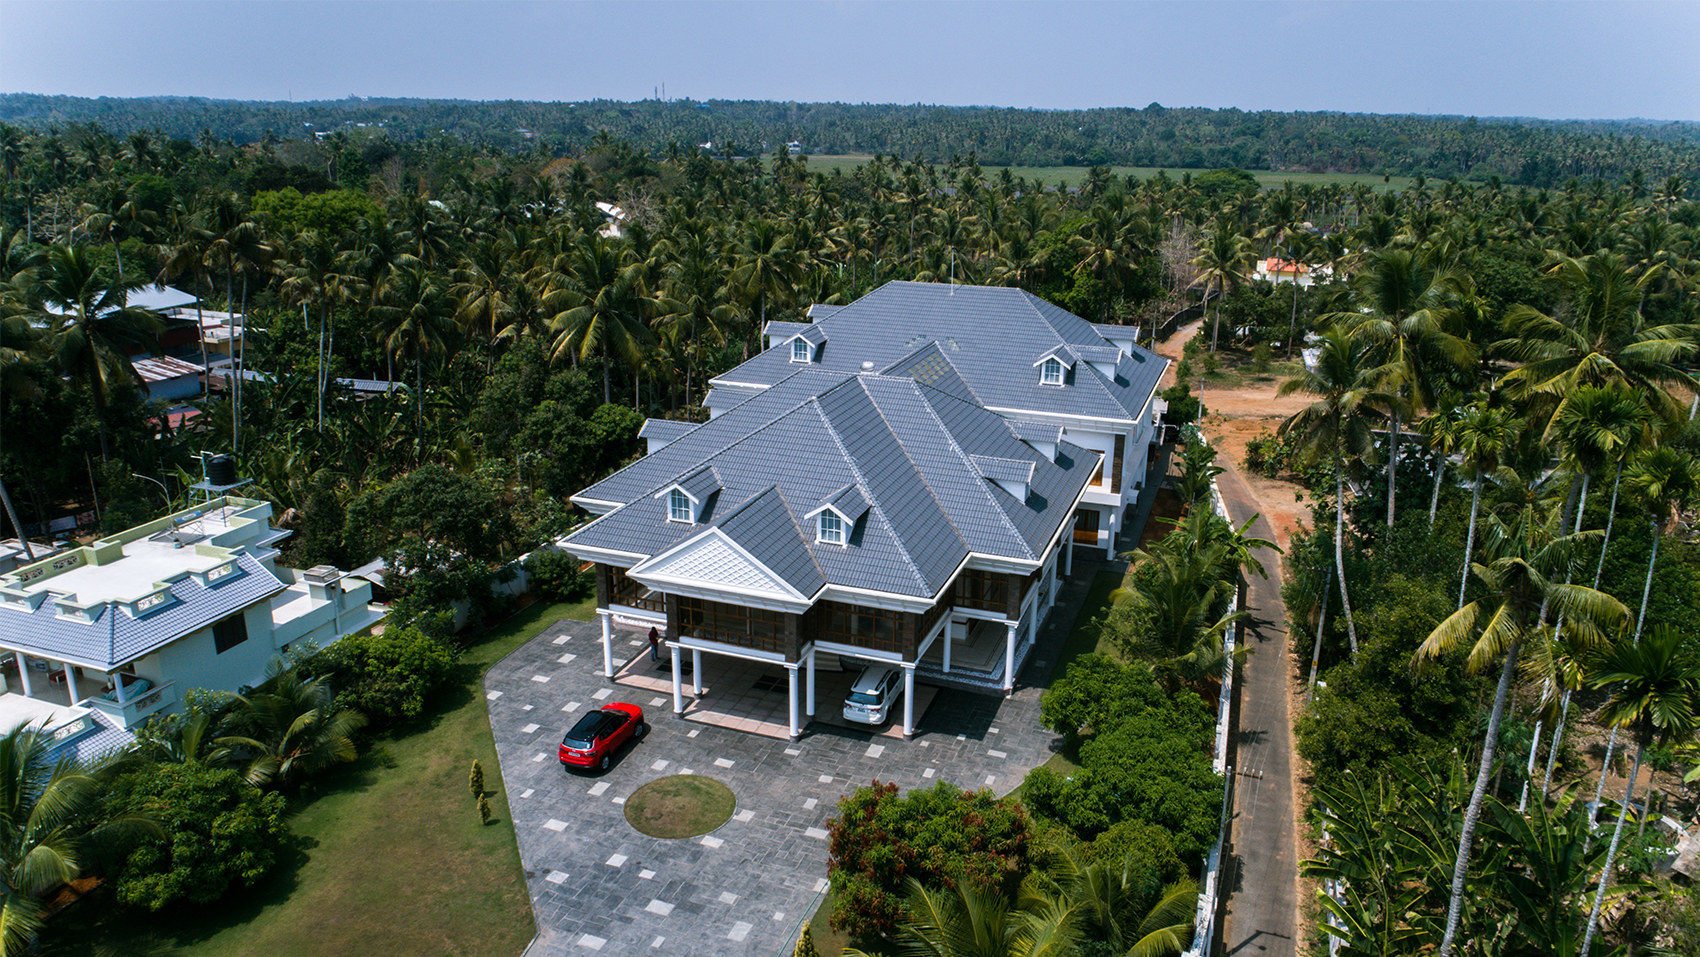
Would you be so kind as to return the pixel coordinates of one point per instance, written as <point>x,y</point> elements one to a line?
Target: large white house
<point>104,636</point>
<point>903,480</point>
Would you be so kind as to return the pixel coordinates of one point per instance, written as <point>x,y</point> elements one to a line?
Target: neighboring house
<point>1277,270</point>
<point>166,378</point>
<point>124,626</point>
<point>900,482</point>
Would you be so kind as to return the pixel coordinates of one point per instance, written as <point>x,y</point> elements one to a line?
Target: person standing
<point>654,644</point>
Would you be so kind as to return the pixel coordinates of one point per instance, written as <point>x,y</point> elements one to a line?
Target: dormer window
<point>831,528</point>
<point>1051,372</point>
<point>678,506</point>
<point>799,350</point>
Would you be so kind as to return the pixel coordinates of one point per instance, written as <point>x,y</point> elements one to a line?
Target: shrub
<point>806,944</point>
<point>937,836</point>
<point>555,575</point>
<point>1183,406</point>
<point>1261,357</point>
<point>484,811</point>
<point>219,832</point>
<point>385,676</point>
<point>475,780</point>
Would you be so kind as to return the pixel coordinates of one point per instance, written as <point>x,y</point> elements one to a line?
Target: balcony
<point>137,709</point>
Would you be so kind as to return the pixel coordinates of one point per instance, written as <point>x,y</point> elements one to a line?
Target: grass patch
<point>681,805</point>
<point>390,856</point>
<point>1086,637</point>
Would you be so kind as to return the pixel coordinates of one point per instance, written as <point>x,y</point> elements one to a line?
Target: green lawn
<point>392,858</point>
<point>1075,175</point>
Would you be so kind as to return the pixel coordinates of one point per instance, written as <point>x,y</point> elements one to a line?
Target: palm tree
<point>414,320</point>
<point>594,305</point>
<point>1123,906</point>
<point>1483,436</point>
<point>1223,260</point>
<point>1183,598</point>
<point>50,814</point>
<point>1599,338</point>
<point>318,280</point>
<point>768,267</point>
<point>1522,556</point>
<point>1655,694</point>
<point>91,328</point>
<point>298,732</point>
<point>184,251</point>
<point>1337,425</point>
<point>967,921</point>
<point>1404,307</point>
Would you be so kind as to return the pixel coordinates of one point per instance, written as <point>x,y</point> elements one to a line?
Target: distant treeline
<point>1520,151</point>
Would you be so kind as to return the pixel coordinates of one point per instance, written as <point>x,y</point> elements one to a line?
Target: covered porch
<point>125,696</point>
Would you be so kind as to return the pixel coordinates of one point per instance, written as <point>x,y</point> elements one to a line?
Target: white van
<point>873,694</point>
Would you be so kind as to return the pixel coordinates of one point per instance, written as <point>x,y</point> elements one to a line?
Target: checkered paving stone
<point>599,886</point>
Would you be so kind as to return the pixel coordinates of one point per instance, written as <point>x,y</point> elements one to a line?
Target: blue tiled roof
<point>991,336</point>
<point>903,449</point>
<point>116,637</point>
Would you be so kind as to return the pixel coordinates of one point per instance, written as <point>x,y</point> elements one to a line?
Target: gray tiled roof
<point>849,501</point>
<point>778,332</point>
<point>115,637</point>
<point>1004,470</point>
<point>929,365</point>
<point>1036,431</point>
<point>821,310</point>
<point>665,429</point>
<point>902,447</point>
<point>991,335</point>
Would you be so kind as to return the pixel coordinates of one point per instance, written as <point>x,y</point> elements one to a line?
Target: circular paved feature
<point>679,806</point>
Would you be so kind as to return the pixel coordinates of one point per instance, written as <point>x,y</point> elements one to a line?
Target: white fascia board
<point>857,651</point>
<point>1053,354</point>
<point>1034,415</point>
<point>595,506</point>
<point>607,556</point>
<point>681,488</point>
<point>877,599</point>
<point>829,507</point>
<point>731,651</point>
<point>728,384</point>
<point>1001,564</point>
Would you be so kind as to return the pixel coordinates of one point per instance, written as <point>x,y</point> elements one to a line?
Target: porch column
<point>123,693</point>
<point>24,675</point>
<point>1111,527</point>
<point>608,642</point>
<point>1056,586</point>
<point>71,681</point>
<point>949,633</point>
<point>811,682</point>
<point>696,672</point>
<point>1009,661</point>
<point>1068,553</point>
<point>796,728</point>
<point>908,701</point>
<point>678,692</point>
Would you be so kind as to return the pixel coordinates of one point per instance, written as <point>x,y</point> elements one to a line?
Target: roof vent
<point>867,366</point>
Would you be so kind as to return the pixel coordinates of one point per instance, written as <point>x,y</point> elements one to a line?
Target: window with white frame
<point>799,350</point>
<point>831,528</point>
<point>1051,372</point>
<point>678,506</point>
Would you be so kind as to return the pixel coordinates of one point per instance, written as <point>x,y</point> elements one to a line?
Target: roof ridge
<point>968,461</point>
<point>874,503</point>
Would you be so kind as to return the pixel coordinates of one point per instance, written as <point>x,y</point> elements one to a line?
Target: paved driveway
<point>597,885</point>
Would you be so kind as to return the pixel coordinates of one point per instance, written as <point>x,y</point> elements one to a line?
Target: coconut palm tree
<point>1223,260</point>
<point>1122,905</point>
<point>50,815</point>
<point>1347,384</point>
<point>1519,586</point>
<point>1403,306</point>
<point>297,731</point>
<point>1655,694</point>
<point>1183,598</point>
<point>1599,337</point>
<point>967,921</point>
<point>1483,435</point>
<point>593,303</point>
<point>415,321</point>
<point>91,329</point>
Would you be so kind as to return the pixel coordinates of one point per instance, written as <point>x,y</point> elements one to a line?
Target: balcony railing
<point>136,710</point>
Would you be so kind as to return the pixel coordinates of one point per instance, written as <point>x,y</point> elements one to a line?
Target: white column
<point>1056,585</point>
<point>908,701</point>
<point>123,694</point>
<point>71,682</point>
<point>1110,530</point>
<point>1068,553</point>
<point>1009,660</point>
<point>678,691</point>
<point>949,634</point>
<point>607,642</point>
<point>696,672</point>
<point>24,675</point>
<point>811,682</point>
<point>796,728</point>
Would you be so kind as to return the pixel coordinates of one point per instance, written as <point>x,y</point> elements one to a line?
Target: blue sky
<point>1485,58</point>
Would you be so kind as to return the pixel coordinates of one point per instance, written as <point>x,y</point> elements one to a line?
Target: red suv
<point>592,742</point>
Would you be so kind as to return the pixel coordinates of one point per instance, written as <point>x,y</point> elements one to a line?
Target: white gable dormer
<point>836,516</point>
<point>801,350</point>
<point>685,499</point>
<point>1053,368</point>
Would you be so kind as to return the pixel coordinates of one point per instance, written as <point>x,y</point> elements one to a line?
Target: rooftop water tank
<point>221,470</point>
